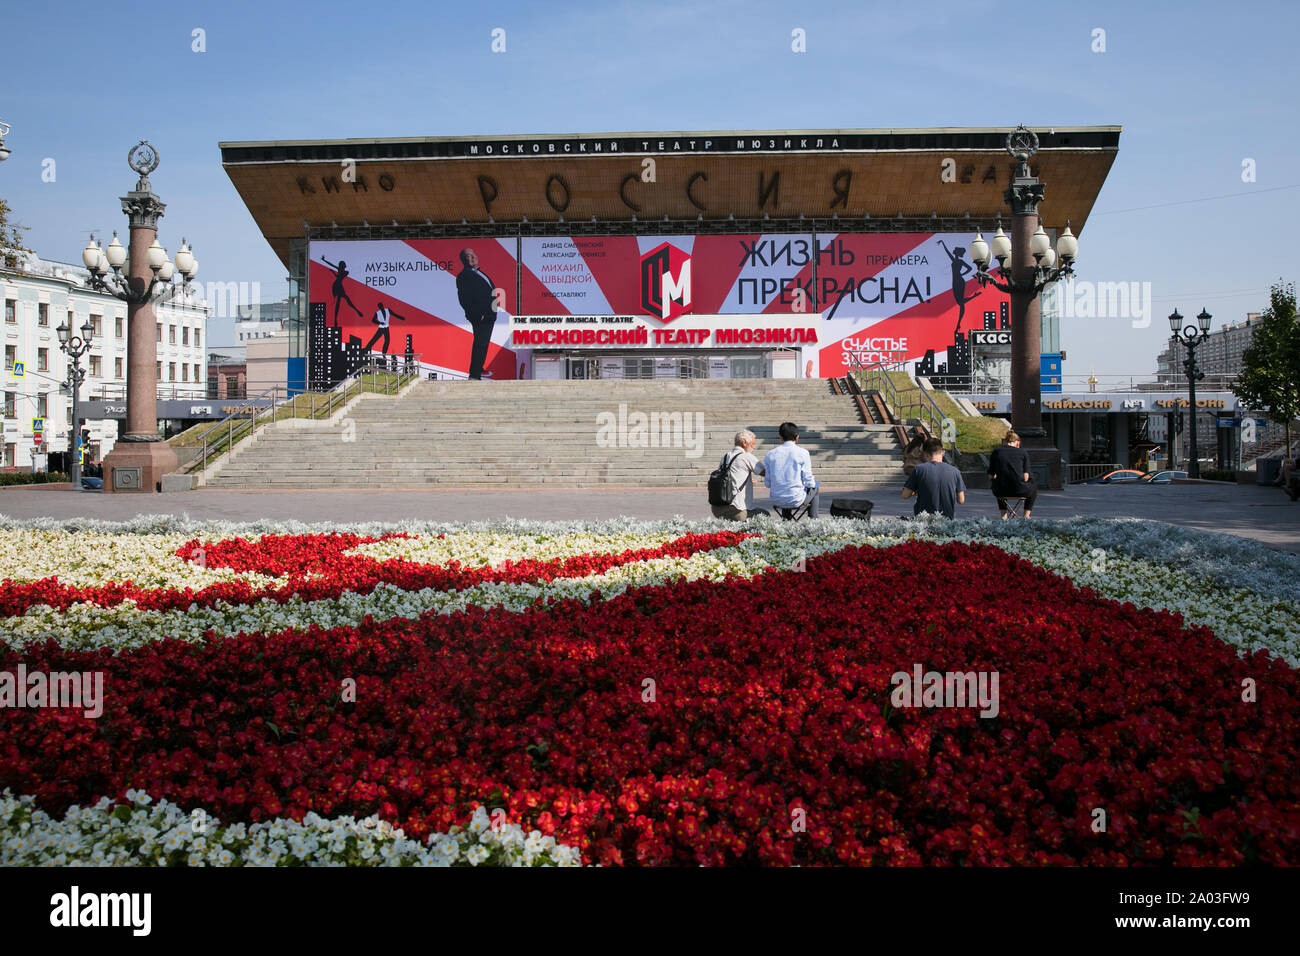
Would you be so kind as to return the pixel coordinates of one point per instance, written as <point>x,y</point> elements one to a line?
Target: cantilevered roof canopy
<point>721,181</point>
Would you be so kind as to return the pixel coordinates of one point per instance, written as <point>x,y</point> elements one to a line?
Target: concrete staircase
<point>568,433</point>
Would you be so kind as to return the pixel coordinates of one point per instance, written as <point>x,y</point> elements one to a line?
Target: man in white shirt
<point>743,468</point>
<point>787,470</point>
<point>382,317</point>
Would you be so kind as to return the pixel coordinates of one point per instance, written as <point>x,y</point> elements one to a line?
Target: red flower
<point>784,705</point>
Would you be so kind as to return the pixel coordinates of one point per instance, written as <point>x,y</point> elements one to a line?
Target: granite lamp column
<point>140,458</point>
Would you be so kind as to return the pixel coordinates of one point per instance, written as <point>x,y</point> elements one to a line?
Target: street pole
<point>1193,466</point>
<point>75,347</point>
<point>74,471</point>
<point>1191,336</point>
<point>140,458</point>
<point>1027,265</point>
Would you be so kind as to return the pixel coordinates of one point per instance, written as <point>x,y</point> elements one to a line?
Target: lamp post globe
<point>1026,265</point>
<point>142,274</point>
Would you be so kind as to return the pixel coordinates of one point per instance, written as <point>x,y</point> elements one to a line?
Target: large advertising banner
<point>660,276</point>
<point>447,302</point>
<point>877,297</point>
<point>882,297</point>
<point>895,297</point>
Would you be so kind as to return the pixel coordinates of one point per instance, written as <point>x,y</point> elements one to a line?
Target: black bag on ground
<point>851,508</point>
<point>722,486</point>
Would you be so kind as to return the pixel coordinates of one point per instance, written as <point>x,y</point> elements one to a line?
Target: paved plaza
<point>1250,511</point>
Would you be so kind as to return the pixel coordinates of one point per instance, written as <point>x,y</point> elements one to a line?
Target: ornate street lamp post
<point>75,346</point>
<point>1033,267</point>
<point>1192,336</point>
<point>140,458</point>
<point>4,150</point>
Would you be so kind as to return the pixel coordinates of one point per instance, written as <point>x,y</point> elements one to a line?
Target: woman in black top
<point>1009,472</point>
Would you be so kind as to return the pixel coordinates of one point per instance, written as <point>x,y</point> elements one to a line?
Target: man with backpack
<point>731,487</point>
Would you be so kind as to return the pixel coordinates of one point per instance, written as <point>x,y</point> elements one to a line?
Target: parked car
<point>1117,476</point>
<point>1163,477</point>
<point>92,484</point>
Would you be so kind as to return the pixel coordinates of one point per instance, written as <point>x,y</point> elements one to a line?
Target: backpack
<point>722,486</point>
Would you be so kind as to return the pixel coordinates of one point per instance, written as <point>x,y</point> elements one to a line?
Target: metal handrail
<point>928,412</point>
<point>115,392</point>
<point>244,420</point>
<point>973,384</point>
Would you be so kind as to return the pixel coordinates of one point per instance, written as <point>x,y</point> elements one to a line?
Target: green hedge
<point>1217,474</point>
<point>27,478</point>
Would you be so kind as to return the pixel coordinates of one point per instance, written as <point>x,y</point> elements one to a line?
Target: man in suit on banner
<point>474,289</point>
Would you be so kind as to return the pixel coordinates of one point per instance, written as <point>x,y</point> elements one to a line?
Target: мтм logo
<point>666,282</point>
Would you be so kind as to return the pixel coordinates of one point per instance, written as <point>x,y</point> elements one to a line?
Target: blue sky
<point>1198,89</point>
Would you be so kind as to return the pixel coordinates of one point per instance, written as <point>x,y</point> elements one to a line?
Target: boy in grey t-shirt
<point>938,486</point>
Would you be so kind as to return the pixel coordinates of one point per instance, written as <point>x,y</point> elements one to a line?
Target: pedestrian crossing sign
<point>20,369</point>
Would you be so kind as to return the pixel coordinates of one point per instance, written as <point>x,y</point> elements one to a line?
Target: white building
<point>39,295</point>
<point>264,320</point>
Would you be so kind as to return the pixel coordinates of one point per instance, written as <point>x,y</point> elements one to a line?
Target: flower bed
<point>670,693</point>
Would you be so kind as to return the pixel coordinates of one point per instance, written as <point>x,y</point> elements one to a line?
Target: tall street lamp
<point>140,458</point>
<point>75,346</point>
<point>1192,336</point>
<point>1033,267</point>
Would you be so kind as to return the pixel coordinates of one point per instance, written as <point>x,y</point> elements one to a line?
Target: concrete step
<point>506,434</point>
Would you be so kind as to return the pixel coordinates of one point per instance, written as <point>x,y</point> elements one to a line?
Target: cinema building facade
<point>660,255</point>
<point>711,254</point>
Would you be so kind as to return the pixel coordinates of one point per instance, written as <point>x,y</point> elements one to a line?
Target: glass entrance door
<point>748,367</point>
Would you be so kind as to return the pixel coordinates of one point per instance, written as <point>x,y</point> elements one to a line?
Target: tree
<point>1270,375</point>
<point>11,237</point>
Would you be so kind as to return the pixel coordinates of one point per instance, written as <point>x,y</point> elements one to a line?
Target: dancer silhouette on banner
<point>339,293</point>
<point>382,317</point>
<point>475,291</point>
<point>959,269</point>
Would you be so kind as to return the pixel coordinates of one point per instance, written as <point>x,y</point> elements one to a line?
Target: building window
<point>42,360</point>
<point>9,454</point>
<point>171,371</point>
<point>96,366</point>
<point>117,327</point>
<point>96,323</point>
<point>197,342</point>
<point>185,335</point>
<point>160,371</point>
<point>42,405</point>
<point>159,331</point>
<point>11,311</point>
<point>43,314</point>
<point>232,387</point>
<point>117,368</point>
<point>196,371</point>
<point>185,372</point>
<point>11,355</point>
<point>171,335</point>
<point>11,400</point>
